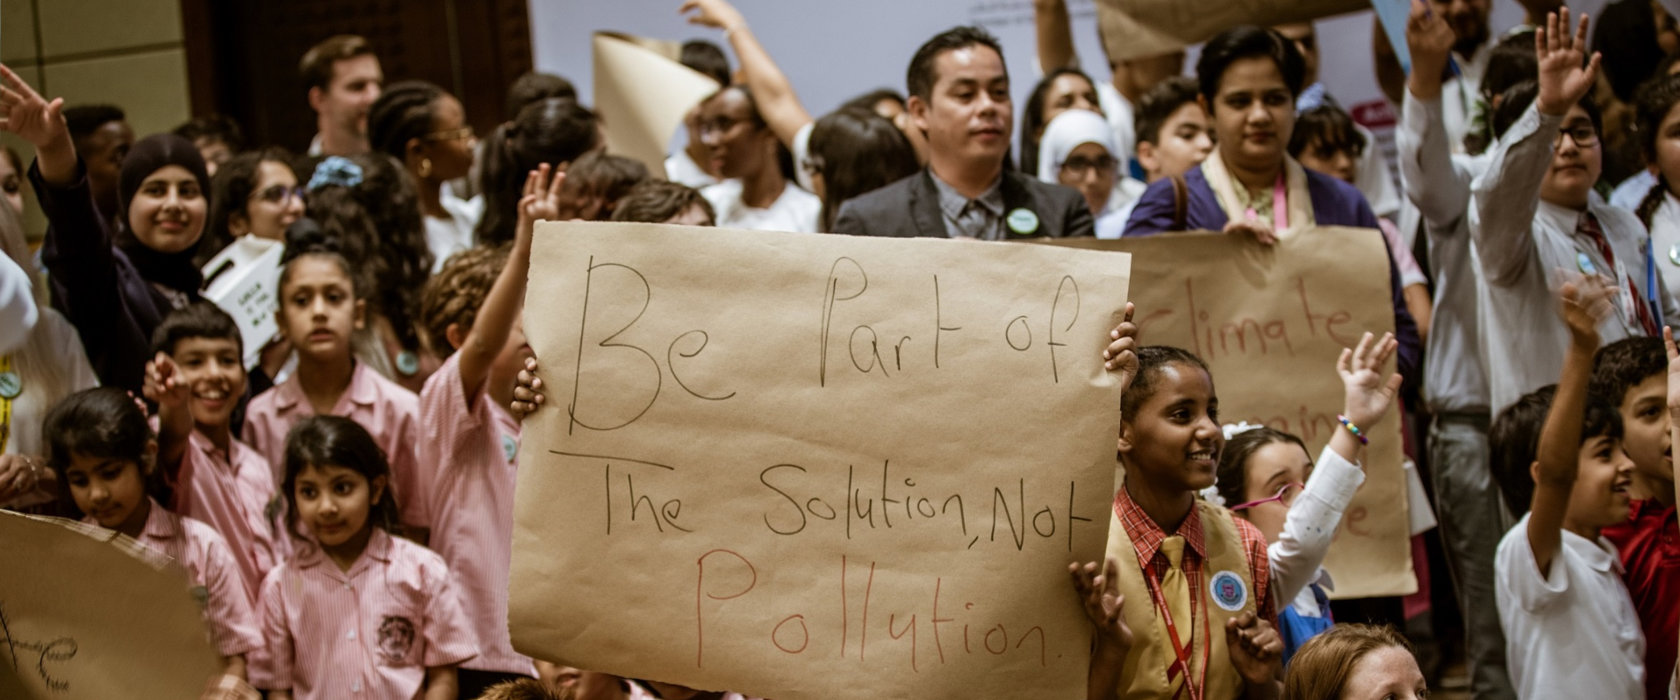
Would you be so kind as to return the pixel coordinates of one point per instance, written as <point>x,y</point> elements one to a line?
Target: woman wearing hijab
<point>115,286</point>
<point>1077,151</point>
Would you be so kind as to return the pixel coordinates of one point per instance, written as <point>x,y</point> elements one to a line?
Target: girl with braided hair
<point>425,129</point>
<point>1659,141</point>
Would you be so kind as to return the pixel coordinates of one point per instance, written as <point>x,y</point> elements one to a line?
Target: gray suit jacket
<point>910,208</point>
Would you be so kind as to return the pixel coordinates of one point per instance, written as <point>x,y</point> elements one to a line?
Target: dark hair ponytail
<point>319,441</point>
<point>552,130</point>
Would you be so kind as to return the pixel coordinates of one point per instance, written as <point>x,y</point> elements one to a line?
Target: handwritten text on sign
<point>84,617</point>
<point>814,466</point>
<point>1270,323</point>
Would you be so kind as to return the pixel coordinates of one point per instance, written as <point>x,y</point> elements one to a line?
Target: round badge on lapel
<point>510,448</point>
<point>1674,254</point>
<point>1228,591</point>
<point>11,384</point>
<point>1022,222</point>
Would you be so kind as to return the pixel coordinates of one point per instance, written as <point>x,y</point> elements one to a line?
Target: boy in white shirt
<point>1570,626</point>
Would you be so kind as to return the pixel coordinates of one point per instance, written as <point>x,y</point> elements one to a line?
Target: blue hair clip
<point>336,170</point>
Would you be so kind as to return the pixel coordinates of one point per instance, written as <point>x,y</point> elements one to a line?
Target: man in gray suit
<point>959,98</point>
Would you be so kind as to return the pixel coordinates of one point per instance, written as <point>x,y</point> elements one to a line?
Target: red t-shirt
<point>1650,545</point>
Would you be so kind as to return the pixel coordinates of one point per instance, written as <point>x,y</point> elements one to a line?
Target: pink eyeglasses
<point>1285,495</point>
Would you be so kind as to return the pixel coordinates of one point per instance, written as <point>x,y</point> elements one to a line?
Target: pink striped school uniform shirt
<point>233,493</point>
<point>370,632</point>
<point>389,412</point>
<point>214,574</point>
<point>470,444</point>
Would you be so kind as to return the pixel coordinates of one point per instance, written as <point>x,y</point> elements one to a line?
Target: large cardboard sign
<point>88,613</point>
<point>1270,323</point>
<point>1143,28</point>
<point>811,466</point>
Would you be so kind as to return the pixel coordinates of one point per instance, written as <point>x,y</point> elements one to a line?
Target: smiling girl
<point>115,286</point>
<point>356,610</point>
<point>104,455</point>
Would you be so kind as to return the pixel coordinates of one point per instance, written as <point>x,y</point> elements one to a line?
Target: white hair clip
<point>1232,431</point>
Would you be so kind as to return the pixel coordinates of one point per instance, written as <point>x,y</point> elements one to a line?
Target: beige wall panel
<point>71,27</point>
<point>150,87</point>
<point>17,31</point>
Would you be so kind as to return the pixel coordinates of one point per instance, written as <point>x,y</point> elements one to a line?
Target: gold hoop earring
<point>425,167</point>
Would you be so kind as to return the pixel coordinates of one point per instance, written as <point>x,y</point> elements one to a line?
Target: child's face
<point>1174,440</point>
<point>335,501</point>
<point>1668,147</point>
<point>1600,495</point>
<point>1575,166</point>
<point>1339,163</point>
<point>214,370</point>
<point>108,490</point>
<point>1645,428</point>
<point>1185,140</point>
<point>1269,470</point>
<point>319,309</point>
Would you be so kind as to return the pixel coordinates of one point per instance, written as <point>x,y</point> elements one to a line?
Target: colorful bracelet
<point>1353,429</point>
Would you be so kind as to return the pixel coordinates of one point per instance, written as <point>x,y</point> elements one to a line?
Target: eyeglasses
<point>1285,495</point>
<point>461,134</point>
<point>278,194</point>
<point>1584,136</point>
<point>1080,166</point>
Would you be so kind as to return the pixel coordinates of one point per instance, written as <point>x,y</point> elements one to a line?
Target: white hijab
<point>1068,131</point>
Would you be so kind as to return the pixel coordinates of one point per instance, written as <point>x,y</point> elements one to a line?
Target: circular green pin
<point>1022,222</point>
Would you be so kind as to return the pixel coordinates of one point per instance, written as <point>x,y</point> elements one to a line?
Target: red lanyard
<point>1280,204</point>
<point>1182,653</point>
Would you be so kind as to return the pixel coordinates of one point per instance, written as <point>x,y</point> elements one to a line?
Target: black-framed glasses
<point>278,194</point>
<point>1584,136</point>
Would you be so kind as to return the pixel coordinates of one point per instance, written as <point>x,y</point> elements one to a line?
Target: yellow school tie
<point>1175,588</point>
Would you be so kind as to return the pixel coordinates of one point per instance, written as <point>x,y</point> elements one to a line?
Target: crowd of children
<point>341,498</point>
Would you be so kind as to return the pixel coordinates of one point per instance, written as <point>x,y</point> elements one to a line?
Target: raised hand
<point>713,13</point>
<point>1584,302</point>
<point>1121,353</point>
<point>1565,77</point>
<point>163,385</point>
<point>1256,649</point>
<point>25,113</point>
<point>540,200</point>
<point>1368,393</point>
<point>1100,594</point>
<point>1430,39</point>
